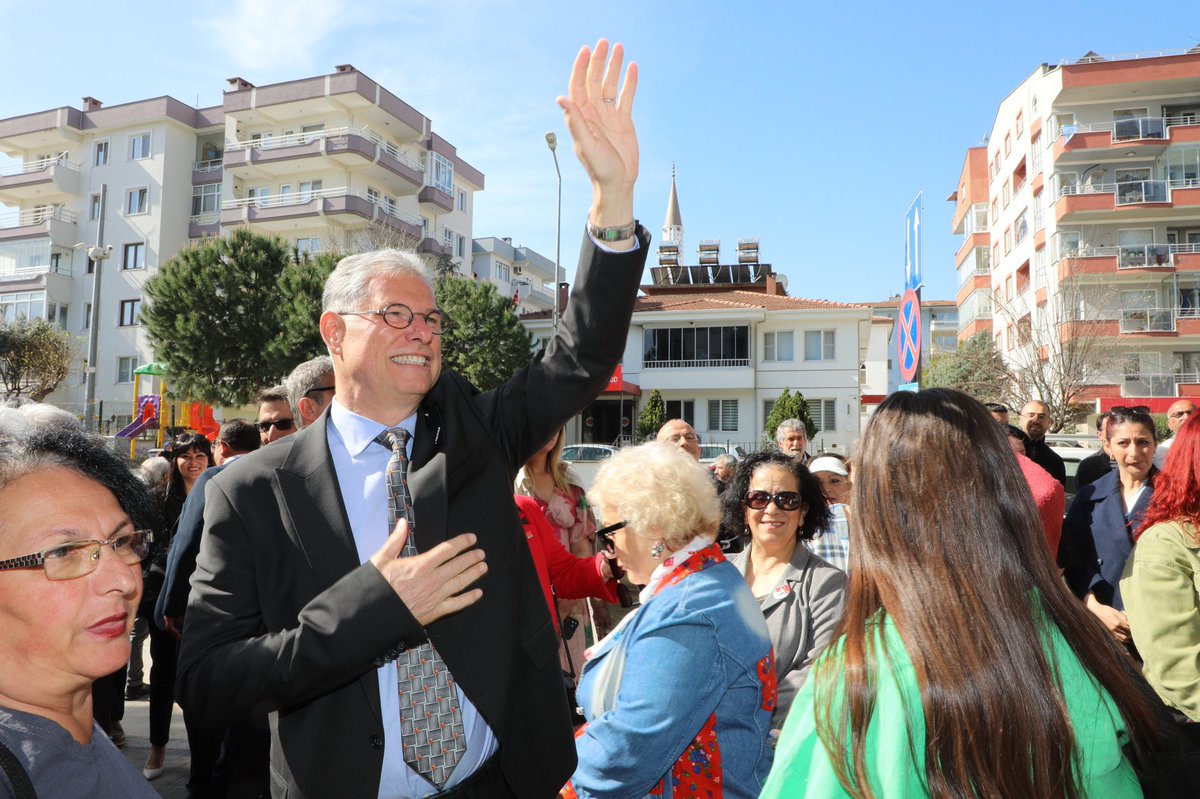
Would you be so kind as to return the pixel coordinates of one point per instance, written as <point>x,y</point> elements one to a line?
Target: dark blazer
<point>181,557</point>
<point>284,618</point>
<point>1041,454</point>
<point>1097,540</point>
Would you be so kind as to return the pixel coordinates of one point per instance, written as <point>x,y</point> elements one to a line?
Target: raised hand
<point>598,112</point>
<point>432,584</point>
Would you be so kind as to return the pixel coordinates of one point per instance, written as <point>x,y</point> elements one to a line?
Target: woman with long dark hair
<point>1161,576</point>
<point>964,666</point>
<point>191,454</point>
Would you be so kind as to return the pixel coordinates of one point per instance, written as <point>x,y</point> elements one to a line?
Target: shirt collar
<point>359,432</point>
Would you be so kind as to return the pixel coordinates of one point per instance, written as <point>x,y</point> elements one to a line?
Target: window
<point>91,266</point>
<point>821,411</point>
<point>1023,278</point>
<point>818,345</point>
<point>1007,144</point>
<point>22,305</point>
<point>460,245</point>
<point>94,208</point>
<point>1007,193</point>
<point>1007,240</point>
<point>503,272</point>
<point>139,146</point>
<point>100,153</point>
<point>682,409</point>
<point>206,199</point>
<point>372,195</point>
<point>696,346</point>
<point>316,128</point>
<point>1021,227</point>
<point>56,314</point>
<point>125,367</point>
<point>995,210</point>
<point>1020,122</point>
<point>308,245</point>
<point>134,256</point>
<point>462,200</point>
<point>440,173</point>
<point>777,347</point>
<point>131,310</point>
<point>87,316</point>
<point>308,188</point>
<point>137,201</point>
<point>259,195</point>
<point>723,415</point>
<point>1036,146</point>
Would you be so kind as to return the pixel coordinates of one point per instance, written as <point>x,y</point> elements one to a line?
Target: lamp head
<point>551,141</point>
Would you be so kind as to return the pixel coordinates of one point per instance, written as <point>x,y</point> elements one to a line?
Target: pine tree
<point>652,417</point>
<point>301,287</point>
<point>213,314</point>
<point>787,406</point>
<point>485,341</point>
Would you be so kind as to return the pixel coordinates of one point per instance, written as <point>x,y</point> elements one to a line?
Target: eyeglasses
<point>280,424</point>
<point>400,316</point>
<point>605,535</point>
<point>691,438</point>
<point>784,500</point>
<point>320,388</point>
<point>1032,415</point>
<point>1181,414</point>
<point>79,558</point>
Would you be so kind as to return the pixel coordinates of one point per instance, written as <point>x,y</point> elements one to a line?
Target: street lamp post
<point>552,143</point>
<point>98,255</point>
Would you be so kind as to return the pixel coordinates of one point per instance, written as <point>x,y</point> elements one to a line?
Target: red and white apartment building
<point>1082,213</point>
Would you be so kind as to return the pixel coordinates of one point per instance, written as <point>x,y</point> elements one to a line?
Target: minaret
<point>671,248</point>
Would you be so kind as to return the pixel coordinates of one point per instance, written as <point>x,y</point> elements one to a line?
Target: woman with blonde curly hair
<point>680,694</point>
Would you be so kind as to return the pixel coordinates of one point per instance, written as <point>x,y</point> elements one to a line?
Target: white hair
<point>347,286</point>
<point>17,421</point>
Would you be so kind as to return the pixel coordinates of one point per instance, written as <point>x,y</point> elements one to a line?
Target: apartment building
<point>721,341</point>
<point>518,272</point>
<point>332,162</point>
<point>1081,216</point>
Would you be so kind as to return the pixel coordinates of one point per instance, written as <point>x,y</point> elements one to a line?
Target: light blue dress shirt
<point>361,467</point>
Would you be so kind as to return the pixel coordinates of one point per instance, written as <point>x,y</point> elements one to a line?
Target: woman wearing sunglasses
<point>73,520</point>
<point>963,667</point>
<point>678,697</point>
<point>1098,530</point>
<point>777,503</point>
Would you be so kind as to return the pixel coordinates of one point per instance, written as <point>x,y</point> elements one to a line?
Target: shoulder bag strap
<point>16,773</point>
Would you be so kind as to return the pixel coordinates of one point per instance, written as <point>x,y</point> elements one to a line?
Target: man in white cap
<point>833,543</point>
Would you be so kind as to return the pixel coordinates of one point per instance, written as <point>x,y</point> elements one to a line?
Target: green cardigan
<point>803,769</point>
<point>1159,586</point>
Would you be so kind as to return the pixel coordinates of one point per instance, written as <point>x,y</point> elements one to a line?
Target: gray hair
<point>790,424</point>
<point>346,289</point>
<point>661,491</point>
<point>305,377</point>
<point>725,459</point>
<point>20,419</point>
<point>272,394</point>
<point>153,470</point>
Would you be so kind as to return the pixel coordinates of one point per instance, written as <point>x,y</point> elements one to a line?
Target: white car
<point>710,452</point>
<point>586,459</point>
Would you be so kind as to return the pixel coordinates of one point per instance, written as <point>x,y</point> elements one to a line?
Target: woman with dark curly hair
<point>777,503</point>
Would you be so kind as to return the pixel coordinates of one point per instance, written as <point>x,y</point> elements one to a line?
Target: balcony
<point>435,198</point>
<point>1147,320</point>
<point>1146,384</point>
<point>27,259</point>
<point>58,224</point>
<point>341,207</point>
<point>43,179</point>
<point>1111,259</point>
<point>354,148</point>
<point>706,364</point>
<point>210,171</point>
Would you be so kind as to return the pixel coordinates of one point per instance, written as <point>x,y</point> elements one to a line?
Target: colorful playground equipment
<point>154,411</point>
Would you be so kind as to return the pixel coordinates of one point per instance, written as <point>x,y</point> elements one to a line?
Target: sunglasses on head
<point>1128,409</point>
<point>784,500</point>
<point>282,424</point>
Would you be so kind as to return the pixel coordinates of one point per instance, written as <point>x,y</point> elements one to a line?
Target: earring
<point>657,549</point>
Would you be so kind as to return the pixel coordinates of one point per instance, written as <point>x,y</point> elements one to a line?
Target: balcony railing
<point>13,219</point>
<point>965,275</point>
<point>211,165</point>
<point>291,198</point>
<point>27,167</point>
<point>1126,129</point>
<point>1142,191</point>
<point>1147,320</point>
<point>705,364</point>
<point>1144,256</point>
<point>1146,384</point>
<point>296,139</point>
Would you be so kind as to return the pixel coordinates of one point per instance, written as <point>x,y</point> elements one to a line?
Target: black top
<point>1092,468</point>
<point>1041,454</point>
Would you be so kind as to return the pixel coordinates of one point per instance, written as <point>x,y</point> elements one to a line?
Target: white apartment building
<point>333,162</point>
<point>517,272</point>
<point>1082,213</point>
<point>721,342</point>
<point>939,332</point>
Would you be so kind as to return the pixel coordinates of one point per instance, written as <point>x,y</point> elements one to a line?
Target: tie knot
<point>397,439</point>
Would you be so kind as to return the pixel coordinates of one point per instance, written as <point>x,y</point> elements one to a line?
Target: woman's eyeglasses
<point>605,535</point>
<point>79,558</point>
<point>784,500</point>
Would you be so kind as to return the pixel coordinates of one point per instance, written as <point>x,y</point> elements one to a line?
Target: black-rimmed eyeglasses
<point>605,535</point>
<point>400,316</point>
<point>319,389</point>
<point>79,558</point>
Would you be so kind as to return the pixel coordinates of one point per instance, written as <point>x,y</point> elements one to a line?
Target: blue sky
<point>811,128</point>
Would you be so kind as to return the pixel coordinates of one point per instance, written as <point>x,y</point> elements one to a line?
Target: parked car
<point>710,452</point>
<point>585,460</point>
<point>1071,457</point>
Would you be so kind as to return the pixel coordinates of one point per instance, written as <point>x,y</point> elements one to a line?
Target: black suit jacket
<point>284,618</point>
<point>181,557</point>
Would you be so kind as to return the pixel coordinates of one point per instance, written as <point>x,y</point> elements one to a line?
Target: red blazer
<point>560,573</point>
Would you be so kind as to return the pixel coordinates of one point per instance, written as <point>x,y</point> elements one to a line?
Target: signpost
<point>908,342</point>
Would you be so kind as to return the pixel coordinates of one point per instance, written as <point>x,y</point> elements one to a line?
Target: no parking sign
<point>909,341</point>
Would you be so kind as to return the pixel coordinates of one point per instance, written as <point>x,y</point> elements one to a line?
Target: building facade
<point>333,162</point>
<point>1081,222</point>
<point>523,274</point>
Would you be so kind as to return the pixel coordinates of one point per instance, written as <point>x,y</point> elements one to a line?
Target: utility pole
<point>98,254</point>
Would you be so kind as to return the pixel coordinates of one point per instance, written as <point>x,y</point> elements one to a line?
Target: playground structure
<point>155,411</point>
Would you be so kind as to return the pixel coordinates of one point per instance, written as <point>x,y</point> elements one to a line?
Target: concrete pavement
<point>172,784</point>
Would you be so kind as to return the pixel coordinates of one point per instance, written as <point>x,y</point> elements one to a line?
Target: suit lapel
<point>427,479</point>
<point>789,578</point>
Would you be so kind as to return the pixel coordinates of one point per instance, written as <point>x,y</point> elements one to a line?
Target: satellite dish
<point>781,280</point>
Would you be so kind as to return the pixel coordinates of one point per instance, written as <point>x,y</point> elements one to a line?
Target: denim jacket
<point>699,649</point>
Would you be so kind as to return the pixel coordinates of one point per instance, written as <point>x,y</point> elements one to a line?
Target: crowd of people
<point>337,596</point>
